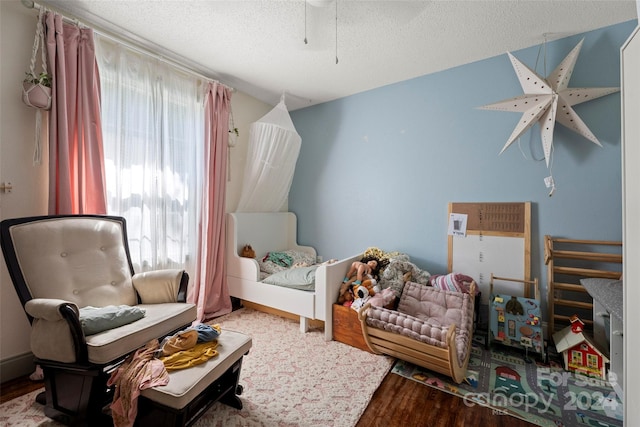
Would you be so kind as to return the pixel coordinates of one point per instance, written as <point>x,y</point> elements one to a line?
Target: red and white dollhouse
<point>579,352</point>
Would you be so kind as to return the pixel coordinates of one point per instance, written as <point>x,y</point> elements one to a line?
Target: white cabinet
<point>608,334</point>
<point>616,349</point>
<point>630,91</point>
<point>608,317</point>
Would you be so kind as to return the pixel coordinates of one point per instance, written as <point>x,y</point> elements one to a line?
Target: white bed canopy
<point>273,150</point>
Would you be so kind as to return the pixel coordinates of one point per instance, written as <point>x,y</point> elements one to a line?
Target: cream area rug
<point>290,379</point>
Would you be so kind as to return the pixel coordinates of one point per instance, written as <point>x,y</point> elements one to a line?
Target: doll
<point>366,268</point>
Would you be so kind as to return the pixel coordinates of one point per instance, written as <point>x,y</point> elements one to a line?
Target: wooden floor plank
<point>401,402</point>
<point>18,387</point>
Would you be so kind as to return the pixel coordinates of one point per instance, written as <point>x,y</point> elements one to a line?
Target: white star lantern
<point>548,101</point>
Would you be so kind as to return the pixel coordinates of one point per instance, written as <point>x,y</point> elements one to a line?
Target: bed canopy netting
<point>274,145</point>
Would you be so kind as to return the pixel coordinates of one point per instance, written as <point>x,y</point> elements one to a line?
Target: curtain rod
<point>30,4</point>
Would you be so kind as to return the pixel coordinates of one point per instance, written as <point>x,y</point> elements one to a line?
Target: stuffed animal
<point>383,298</point>
<point>369,287</point>
<point>247,252</point>
<point>345,294</point>
<point>399,271</point>
<point>360,272</point>
<point>349,292</point>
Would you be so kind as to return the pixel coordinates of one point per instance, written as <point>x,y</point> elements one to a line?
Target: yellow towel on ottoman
<point>196,355</point>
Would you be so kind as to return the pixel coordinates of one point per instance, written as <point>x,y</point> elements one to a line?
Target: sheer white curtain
<point>153,125</point>
<point>274,145</point>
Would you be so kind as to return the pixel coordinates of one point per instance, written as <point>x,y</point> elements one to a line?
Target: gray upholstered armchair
<point>67,270</point>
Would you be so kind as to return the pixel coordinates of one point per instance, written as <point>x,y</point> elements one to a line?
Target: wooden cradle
<point>276,231</point>
<point>442,354</point>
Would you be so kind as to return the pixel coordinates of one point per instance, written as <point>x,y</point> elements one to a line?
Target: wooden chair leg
<point>76,397</point>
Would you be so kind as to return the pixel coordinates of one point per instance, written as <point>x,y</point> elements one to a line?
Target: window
<point>153,124</point>
<point>592,361</point>
<point>576,357</point>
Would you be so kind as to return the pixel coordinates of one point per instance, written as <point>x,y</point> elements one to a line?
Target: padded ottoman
<point>190,392</point>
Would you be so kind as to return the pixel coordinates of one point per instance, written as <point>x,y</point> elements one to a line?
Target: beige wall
<point>29,194</point>
<point>28,197</point>
<point>246,110</point>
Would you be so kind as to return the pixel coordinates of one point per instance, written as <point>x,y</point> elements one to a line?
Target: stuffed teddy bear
<point>247,252</point>
<point>345,294</point>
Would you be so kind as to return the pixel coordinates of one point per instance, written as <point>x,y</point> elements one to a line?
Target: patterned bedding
<point>275,261</point>
<point>289,268</point>
<point>425,313</point>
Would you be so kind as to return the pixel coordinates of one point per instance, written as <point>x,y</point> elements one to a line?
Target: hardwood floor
<point>398,402</point>
<point>17,387</point>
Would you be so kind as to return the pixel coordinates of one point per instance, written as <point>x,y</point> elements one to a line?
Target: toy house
<point>579,352</point>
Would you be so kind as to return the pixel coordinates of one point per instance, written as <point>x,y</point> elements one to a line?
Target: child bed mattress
<point>290,269</point>
<point>301,278</point>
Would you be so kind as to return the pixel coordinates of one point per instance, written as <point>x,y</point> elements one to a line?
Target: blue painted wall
<point>379,168</point>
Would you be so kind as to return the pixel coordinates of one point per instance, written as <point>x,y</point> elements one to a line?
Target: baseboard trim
<point>17,366</point>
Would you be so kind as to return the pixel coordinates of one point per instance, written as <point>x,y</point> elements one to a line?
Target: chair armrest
<point>161,286</point>
<point>56,333</point>
<point>48,308</point>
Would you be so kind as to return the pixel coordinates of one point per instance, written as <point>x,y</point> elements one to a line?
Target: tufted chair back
<point>80,260</point>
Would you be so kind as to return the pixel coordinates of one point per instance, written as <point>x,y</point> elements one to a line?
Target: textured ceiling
<point>258,47</point>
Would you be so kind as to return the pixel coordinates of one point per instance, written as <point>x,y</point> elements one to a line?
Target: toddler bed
<point>308,290</point>
<point>431,327</point>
